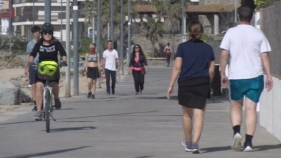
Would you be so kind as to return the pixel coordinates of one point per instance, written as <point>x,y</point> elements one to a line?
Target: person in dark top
<point>48,48</point>
<point>168,53</point>
<point>194,68</point>
<point>138,66</point>
<point>92,66</point>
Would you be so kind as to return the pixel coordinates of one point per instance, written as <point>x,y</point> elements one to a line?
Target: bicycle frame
<point>47,87</point>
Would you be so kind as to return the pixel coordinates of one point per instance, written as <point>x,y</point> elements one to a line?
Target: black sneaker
<point>57,104</point>
<point>113,91</point>
<point>34,108</point>
<point>93,96</point>
<point>195,148</point>
<point>38,116</point>
<point>89,94</point>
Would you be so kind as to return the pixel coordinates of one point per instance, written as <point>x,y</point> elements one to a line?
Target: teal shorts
<point>251,88</point>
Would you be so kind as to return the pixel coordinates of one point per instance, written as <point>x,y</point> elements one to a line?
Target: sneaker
<point>34,108</point>
<point>57,104</point>
<point>248,147</point>
<point>187,146</point>
<point>236,142</point>
<point>93,96</point>
<point>89,94</point>
<point>137,93</point>
<point>195,148</point>
<point>113,91</point>
<point>141,91</point>
<point>38,116</point>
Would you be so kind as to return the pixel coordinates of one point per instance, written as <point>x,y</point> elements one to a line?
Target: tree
<point>105,18</point>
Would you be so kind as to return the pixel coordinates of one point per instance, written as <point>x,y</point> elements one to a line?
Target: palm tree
<point>105,18</point>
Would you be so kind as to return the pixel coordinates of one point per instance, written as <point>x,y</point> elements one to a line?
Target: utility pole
<point>47,11</point>
<point>93,22</point>
<point>235,12</point>
<point>10,24</point>
<point>67,74</point>
<point>111,21</point>
<point>121,39</point>
<point>183,17</point>
<point>129,32</point>
<point>75,47</point>
<point>99,35</point>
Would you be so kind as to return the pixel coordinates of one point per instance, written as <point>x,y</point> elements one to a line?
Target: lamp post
<point>129,31</point>
<point>67,27</point>
<point>1,4</point>
<point>122,40</point>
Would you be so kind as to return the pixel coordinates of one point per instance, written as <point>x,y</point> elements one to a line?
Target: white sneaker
<point>248,149</point>
<point>236,142</point>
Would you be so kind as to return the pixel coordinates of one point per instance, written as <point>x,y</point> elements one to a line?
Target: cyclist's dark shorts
<point>32,76</point>
<point>56,80</point>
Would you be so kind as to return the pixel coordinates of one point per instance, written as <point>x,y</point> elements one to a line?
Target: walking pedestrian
<point>248,48</point>
<point>92,66</point>
<point>138,66</point>
<point>194,67</point>
<point>32,72</point>
<point>110,58</point>
<point>168,52</point>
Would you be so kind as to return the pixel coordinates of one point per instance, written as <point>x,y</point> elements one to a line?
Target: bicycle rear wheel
<point>47,110</point>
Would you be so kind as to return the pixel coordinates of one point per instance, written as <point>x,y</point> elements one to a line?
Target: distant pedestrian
<point>168,53</point>
<point>248,48</point>
<point>32,72</point>
<point>110,58</point>
<point>194,68</point>
<point>138,66</point>
<point>92,66</point>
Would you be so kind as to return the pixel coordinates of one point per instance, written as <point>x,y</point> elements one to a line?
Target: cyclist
<point>47,47</point>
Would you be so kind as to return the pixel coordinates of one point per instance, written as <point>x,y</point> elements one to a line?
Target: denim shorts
<point>251,88</point>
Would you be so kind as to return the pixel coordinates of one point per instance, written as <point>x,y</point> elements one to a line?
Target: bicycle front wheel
<point>47,110</point>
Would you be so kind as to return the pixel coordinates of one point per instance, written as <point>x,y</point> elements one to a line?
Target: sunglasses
<point>48,33</point>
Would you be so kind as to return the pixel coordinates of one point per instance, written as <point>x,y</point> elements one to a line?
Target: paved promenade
<point>125,126</point>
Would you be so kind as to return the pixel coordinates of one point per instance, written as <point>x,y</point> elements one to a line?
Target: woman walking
<point>92,66</point>
<point>139,68</point>
<point>194,67</point>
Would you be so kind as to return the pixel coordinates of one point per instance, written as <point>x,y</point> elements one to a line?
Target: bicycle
<point>48,70</point>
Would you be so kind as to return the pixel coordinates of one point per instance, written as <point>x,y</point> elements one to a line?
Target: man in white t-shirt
<point>248,48</point>
<point>110,56</point>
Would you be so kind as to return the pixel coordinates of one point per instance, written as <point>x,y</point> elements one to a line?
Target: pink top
<point>136,68</point>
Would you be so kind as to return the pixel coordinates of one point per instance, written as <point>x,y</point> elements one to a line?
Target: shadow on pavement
<point>47,153</point>
<point>256,148</point>
<point>71,129</point>
<point>120,114</point>
<point>164,97</point>
<point>11,123</point>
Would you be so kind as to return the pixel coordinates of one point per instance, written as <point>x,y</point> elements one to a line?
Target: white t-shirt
<point>110,59</point>
<point>245,44</point>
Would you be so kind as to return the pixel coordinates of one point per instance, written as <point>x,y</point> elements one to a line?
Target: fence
<point>2,54</point>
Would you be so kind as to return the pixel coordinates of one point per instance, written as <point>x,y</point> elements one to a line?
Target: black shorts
<point>57,80</point>
<point>32,76</point>
<point>193,93</point>
<point>93,73</point>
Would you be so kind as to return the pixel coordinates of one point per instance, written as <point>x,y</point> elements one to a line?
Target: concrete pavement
<point>126,126</point>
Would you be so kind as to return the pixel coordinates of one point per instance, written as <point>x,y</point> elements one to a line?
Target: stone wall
<point>271,24</point>
<point>218,2</point>
<point>147,46</point>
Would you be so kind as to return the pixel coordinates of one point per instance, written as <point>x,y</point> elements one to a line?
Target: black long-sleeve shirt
<point>48,53</point>
<point>142,61</point>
